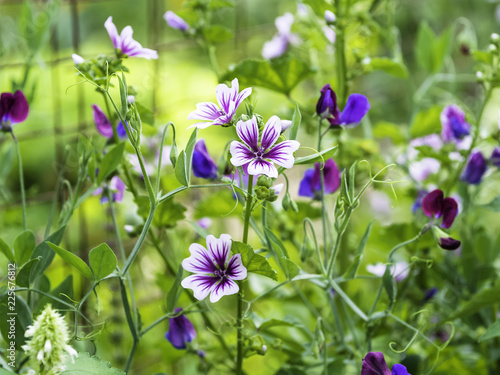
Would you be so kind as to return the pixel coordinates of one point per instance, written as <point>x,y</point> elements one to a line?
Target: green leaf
<point>189,153</point>
<point>7,251</point>
<point>426,122</point>
<point>484,298</point>
<point>175,291</point>
<point>389,66</point>
<point>7,161</point>
<point>291,269</point>
<point>281,74</point>
<point>110,162</point>
<point>62,292</point>
<point>44,251</point>
<point>22,319</point>
<point>180,169</point>
<point>74,260</point>
<point>271,323</point>
<point>353,267</point>
<point>217,34</point>
<point>385,129</point>
<point>217,4</point>
<point>168,214</point>
<point>253,262</point>
<point>23,276</point>
<point>24,244</point>
<point>145,113</point>
<point>316,158</point>
<point>86,365</point>
<point>296,119</point>
<point>102,261</point>
<point>220,203</point>
<point>491,332</point>
<point>389,283</point>
<point>432,49</point>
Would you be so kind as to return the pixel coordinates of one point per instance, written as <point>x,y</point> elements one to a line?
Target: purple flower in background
<point>175,22</point>
<point>203,164</point>
<point>356,108</point>
<point>329,34</point>
<point>495,157</point>
<point>14,109</point>
<point>430,293</point>
<point>115,186</point>
<point>279,44</point>
<point>399,270</point>
<point>214,272</point>
<point>420,170</point>
<point>77,59</point>
<point>181,331</point>
<point>454,126</point>
<point>418,201</point>
<point>330,16</point>
<point>205,222</point>
<point>260,157</point>
<point>103,124</point>
<point>229,100</point>
<point>475,169</point>
<point>374,364</point>
<point>125,44</point>
<point>310,185</point>
<point>435,205</point>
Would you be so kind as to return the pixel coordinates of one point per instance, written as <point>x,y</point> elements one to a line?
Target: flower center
<point>259,153</point>
<point>220,273</point>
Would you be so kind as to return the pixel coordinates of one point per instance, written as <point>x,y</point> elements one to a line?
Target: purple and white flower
<point>229,100</point>
<point>175,22</point>
<point>399,270</point>
<point>214,272</point>
<point>374,364</point>
<point>181,331</point>
<point>125,44</point>
<point>13,109</point>
<point>115,186</point>
<point>454,126</point>
<point>103,124</point>
<point>279,44</point>
<point>260,156</point>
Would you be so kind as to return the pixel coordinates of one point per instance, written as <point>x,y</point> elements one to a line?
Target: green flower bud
<point>264,181</point>
<point>262,192</point>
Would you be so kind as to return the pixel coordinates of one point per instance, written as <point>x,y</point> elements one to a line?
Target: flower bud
<point>495,38</point>
<point>444,240</point>
<point>263,180</point>
<point>492,48</point>
<point>330,17</point>
<point>262,192</point>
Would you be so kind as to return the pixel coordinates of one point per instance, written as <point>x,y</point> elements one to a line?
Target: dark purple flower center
<point>220,273</point>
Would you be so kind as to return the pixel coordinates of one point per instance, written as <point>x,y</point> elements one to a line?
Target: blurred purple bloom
<point>14,108</point>
<point>229,100</point>
<point>329,34</point>
<point>214,272</point>
<point>115,186</point>
<point>432,140</point>
<point>181,331</point>
<point>124,43</point>
<point>279,44</point>
<point>310,185</point>
<point>260,157</point>
<point>418,201</point>
<point>420,170</point>
<point>330,16</point>
<point>430,293</point>
<point>454,126</point>
<point>374,364</point>
<point>399,270</point>
<point>356,108</point>
<point>203,164</point>
<point>205,222</point>
<point>103,124</point>
<point>444,240</point>
<point>77,59</point>
<point>475,169</point>
<point>175,22</point>
<point>495,157</point>
<point>435,205</point>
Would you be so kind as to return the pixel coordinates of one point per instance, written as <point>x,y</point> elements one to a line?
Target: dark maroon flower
<point>181,331</point>
<point>449,243</point>
<point>14,108</point>
<point>434,204</point>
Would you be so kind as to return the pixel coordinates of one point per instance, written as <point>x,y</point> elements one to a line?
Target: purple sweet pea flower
<point>203,164</point>
<point>329,34</point>
<point>260,158</point>
<point>175,22</point>
<point>14,109</point>
<point>374,364</point>
<point>117,188</point>
<point>181,331</point>
<point>420,170</point>
<point>475,169</point>
<point>399,270</point>
<point>279,44</point>
<point>205,222</point>
<point>103,124</point>
<point>125,44</point>
<point>435,205</point>
<point>77,59</point>
<point>495,157</point>
<point>430,293</point>
<point>213,273</point>
<point>356,108</point>
<point>229,100</point>
<point>418,201</point>
<point>444,240</point>
<point>454,126</point>
<point>310,185</point>
<point>330,16</point>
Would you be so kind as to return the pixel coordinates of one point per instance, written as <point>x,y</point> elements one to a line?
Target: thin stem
<point>323,207</point>
<point>21,179</point>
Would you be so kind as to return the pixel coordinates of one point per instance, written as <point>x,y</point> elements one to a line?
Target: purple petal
<point>200,284</point>
<point>475,169</point>
<point>329,33</point>
<point>176,22</point>
<point>284,23</point>
<point>118,188</point>
<point>77,59</point>
<point>235,268</point>
<point>453,123</point>
<point>305,187</point>
<point>449,243</point>
<point>327,105</point>
<point>181,331</point>
<point>225,287</point>
<point>102,123</point>
<point>219,248</point>
<point>398,369</point>
<point>205,111</point>
<point>200,260</point>
<point>13,107</point>
<point>495,157</point>
<point>260,166</point>
<point>282,153</point>
<point>113,32</point>
<point>271,132</point>
<point>432,204</point>
<point>120,130</point>
<point>429,293</point>
<point>248,131</point>
<point>275,47</point>
<point>449,212</point>
<point>203,164</point>
<point>242,96</point>
<point>421,169</point>
<point>356,108</point>
<point>332,177</point>
<point>374,364</point>
<point>226,95</point>
<point>240,153</point>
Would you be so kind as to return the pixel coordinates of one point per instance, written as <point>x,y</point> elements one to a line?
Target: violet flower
<point>475,169</point>
<point>181,331</point>
<point>125,44</point>
<point>279,44</point>
<point>374,364</point>
<point>203,165</point>
<point>214,272</point>
<point>14,109</point>
<point>103,124</point>
<point>399,270</point>
<point>435,205</point>
<point>310,185</point>
<point>77,59</point>
<point>330,16</point>
<point>495,157</point>
<point>329,34</point>
<point>420,170</point>
<point>356,108</point>
<point>261,156</point>
<point>430,293</point>
<point>115,186</point>
<point>454,126</point>
<point>229,100</point>
<point>175,22</point>
<point>417,204</point>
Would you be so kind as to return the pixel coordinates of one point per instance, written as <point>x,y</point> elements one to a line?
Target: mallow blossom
<point>103,124</point>
<point>229,99</point>
<point>399,270</point>
<point>214,272</point>
<point>310,185</point>
<point>203,164</point>
<point>475,169</point>
<point>175,22</point>
<point>125,44</point>
<point>356,108</point>
<point>374,364</point>
<point>279,44</point>
<point>454,126</point>
<point>116,187</point>
<point>13,109</point>
<point>181,331</point>
<point>260,156</point>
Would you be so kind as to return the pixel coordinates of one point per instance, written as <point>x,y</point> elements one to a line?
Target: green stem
<point>21,179</point>
<point>323,207</point>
